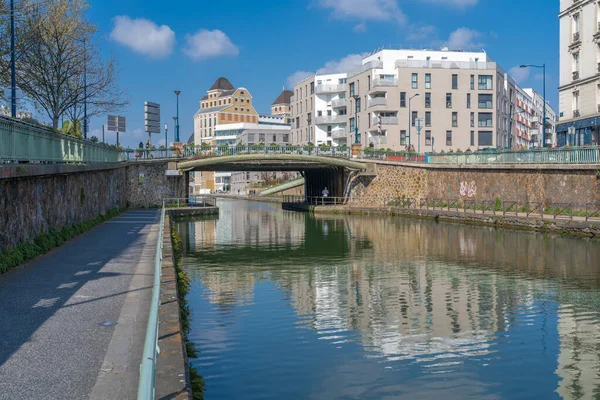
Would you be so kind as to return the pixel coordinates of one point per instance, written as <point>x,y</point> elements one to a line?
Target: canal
<point>296,306</point>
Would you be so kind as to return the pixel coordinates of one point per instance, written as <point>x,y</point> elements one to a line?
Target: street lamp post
<point>410,117</point>
<point>166,141</point>
<point>356,97</point>
<point>13,77</point>
<point>177,93</point>
<point>175,123</point>
<point>85,122</point>
<point>543,67</point>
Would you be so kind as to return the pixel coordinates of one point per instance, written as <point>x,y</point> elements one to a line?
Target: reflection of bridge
<point>318,171</point>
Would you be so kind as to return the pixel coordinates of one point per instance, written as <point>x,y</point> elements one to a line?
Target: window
<point>428,118</point>
<point>485,120</point>
<point>415,81</point>
<point>403,138</point>
<point>352,127</point>
<point>576,62</point>
<point>468,100</point>
<point>247,100</point>
<point>472,138</point>
<point>403,99</point>
<point>312,88</point>
<point>415,115</point>
<point>427,138</point>
<point>427,100</point>
<point>576,26</point>
<point>448,138</point>
<point>472,82</point>
<point>454,81</point>
<point>454,119</point>
<point>576,101</point>
<point>357,105</point>
<point>427,81</point>
<point>297,122</point>
<point>251,138</point>
<point>329,112</point>
<point>448,100</point>
<point>352,89</point>
<point>472,120</point>
<point>484,82</point>
<point>286,137</point>
<point>485,101</point>
<point>369,119</point>
<point>369,82</point>
<point>484,138</point>
<point>261,137</point>
<point>274,139</point>
<point>319,113</point>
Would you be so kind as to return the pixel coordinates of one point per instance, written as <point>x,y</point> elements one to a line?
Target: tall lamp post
<point>356,97</point>
<point>13,78</point>
<point>166,141</point>
<point>177,93</point>
<point>410,116</point>
<point>543,67</point>
<point>85,122</point>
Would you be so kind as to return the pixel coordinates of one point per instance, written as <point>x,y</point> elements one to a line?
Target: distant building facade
<point>282,106</point>
<point>579,90</point>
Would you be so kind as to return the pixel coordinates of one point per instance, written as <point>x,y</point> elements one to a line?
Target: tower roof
<point>221,84</point>
<point>284,98</point>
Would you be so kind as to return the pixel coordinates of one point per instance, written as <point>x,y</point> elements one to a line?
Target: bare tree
<point>60,69</point>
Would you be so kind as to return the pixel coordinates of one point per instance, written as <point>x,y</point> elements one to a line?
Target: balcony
<point>324,89</point>
<point>340,103</point>
<point>330,119</point>
<point>387,82</point>
<point>338,133</point>
<point>576,114</point>
<point>576,37</point>
<point>375,64</point>
<point>378,101</point>
<point>384,121</point>
<point>597,34</point>
<point>575,75</point>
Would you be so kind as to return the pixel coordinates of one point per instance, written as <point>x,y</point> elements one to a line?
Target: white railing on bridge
<point>575,155</point>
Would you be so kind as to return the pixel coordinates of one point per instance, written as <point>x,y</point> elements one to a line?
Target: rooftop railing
<point>20,141</point>
<point>375,64</point>
<point>445,64</point>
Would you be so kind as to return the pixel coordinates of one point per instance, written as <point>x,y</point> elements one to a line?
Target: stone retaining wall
<point>548,184</point>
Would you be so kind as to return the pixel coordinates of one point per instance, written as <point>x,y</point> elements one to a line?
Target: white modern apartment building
<point>579,90</point>
<point>319,110</point>
<point>538,115</point>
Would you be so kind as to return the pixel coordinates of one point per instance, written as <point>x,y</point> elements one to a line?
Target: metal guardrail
<point>147,382</point>
<point>21,141</point>
<point>191,201</point>
<point>574,155</point>
<point>315,200</point>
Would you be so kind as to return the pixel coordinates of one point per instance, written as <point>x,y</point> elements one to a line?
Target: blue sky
<point>265,44</point>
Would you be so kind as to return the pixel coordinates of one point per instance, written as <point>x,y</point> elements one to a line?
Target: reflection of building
<point>243,182</point>
<point>579,95</point>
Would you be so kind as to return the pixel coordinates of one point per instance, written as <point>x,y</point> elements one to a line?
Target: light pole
<point>13,77</point>
<point>85,125</point>
<point>177,93</point>
<point>410,117</point>
<point>543,67</point>
<point>166,141</point>
<point>356,97</point>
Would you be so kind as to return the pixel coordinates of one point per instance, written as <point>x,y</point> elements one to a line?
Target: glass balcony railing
<point>322,89</point>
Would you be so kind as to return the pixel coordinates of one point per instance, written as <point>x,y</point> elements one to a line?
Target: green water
<point>292,306</point>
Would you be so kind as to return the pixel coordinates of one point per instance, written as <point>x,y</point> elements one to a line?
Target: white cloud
<point>298,76</point>
<point>362,27</point>
<point>464,37</point>
<point>138,132</point>
<point>143,36</point>
<point>345,64</point>
<point>373,10</point>
<point>420,33</point>
<point>519,74</point>
<point>208,44</point>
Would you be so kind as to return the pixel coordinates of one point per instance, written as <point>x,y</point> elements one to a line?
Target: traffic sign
<point>117,123</point>
<point>152,117</point>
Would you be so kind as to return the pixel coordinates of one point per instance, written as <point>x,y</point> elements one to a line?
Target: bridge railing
<point>192,201</point>
<point>563,155</point>
<point>21,141</point>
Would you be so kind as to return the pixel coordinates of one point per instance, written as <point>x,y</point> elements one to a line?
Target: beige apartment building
<point>282,105</point>
<point>432,100</point>
<point>579,90</point>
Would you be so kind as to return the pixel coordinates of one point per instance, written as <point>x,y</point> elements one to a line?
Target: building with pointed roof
<point>282,105</point>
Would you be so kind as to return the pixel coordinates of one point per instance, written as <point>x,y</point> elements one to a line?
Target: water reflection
<point>464,310</point>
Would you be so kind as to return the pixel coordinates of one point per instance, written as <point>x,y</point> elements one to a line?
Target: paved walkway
<point>52,344</point>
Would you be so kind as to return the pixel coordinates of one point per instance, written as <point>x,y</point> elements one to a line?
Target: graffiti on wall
<point>468,189</point>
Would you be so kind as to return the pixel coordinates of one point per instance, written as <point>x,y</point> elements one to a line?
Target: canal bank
<point>577,226</point>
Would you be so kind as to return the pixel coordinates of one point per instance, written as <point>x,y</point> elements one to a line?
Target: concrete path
<point>52,343</point>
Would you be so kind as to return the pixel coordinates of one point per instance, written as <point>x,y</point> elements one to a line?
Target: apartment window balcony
<point>576,37</point>
<point>384,121</point>
<point>378,101</point>
<point>575,75</point>
<point>599,108</point>
<point>324,89</point>
<point>576,114</point>
<point>338,133</point>
<point>386,82</point>
<point>330,119</point>
<point>340,103</point>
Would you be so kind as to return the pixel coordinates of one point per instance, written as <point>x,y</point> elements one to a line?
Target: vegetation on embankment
<point>47,241</point>
<point>183,288</point>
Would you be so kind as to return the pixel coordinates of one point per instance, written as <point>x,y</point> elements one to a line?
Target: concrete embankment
<point>577,226</point>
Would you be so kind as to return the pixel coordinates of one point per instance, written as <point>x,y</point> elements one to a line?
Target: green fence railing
<point>573,155</point>
<point>20,141</point>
